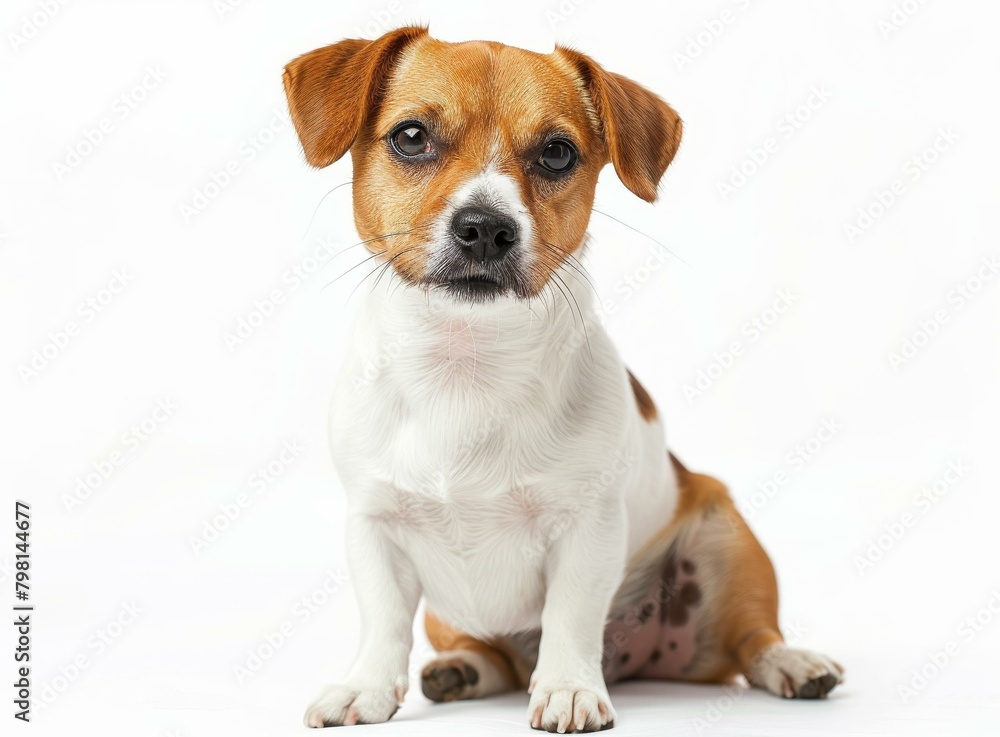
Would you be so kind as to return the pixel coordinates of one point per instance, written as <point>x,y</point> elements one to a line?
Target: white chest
<point>476,448</point>
<point>479,554</point>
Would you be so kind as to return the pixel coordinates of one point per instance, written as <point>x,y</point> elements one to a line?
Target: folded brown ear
<point>640,130</point>
<point>332,90</point>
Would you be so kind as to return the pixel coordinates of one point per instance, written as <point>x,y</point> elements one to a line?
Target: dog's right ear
<point>332,90</point>
<point>641,131</point>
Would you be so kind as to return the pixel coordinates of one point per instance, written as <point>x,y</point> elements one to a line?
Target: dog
<point>501,461</point>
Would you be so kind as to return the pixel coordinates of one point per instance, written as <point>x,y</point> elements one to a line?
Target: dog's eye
<point>410,139</point>
<point>558,156</point>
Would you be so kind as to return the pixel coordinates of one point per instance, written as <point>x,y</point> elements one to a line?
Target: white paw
<point>345,705</point>
<point>569,708</point>
<point>796,674</point>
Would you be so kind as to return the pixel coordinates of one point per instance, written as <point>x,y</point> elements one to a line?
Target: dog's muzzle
<point>483,259</point>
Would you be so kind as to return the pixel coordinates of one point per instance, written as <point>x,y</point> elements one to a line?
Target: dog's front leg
<point>583,571</point>
<point>388,591</point>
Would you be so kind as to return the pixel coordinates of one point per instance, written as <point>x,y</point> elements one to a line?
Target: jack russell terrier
<point>503,462</point>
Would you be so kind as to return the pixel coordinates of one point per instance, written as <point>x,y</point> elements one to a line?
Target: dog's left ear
<point>641,132</point>
<point>332,90</point>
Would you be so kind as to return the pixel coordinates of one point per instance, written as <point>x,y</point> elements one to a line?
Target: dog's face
<point>475,164</point>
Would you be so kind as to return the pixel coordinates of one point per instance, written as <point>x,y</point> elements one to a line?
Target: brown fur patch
<point>747,623</point>
<point>646,407</point>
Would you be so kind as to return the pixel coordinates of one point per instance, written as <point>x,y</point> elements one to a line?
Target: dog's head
<point>475,164</point>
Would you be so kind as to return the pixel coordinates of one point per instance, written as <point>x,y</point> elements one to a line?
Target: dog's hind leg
<point>711,608</point>
<point>751,629</point>
<point>466,668</point>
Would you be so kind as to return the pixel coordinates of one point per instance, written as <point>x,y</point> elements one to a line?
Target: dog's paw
<point>796,674</point>
<point>449,679</point>
<point>566,708</point>
<point>345,705</point>
<point>464,674</point>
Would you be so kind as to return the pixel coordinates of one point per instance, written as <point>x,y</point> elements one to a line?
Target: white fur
<point>495,462</point>
<point>784,670</point>
<point>501,191</point>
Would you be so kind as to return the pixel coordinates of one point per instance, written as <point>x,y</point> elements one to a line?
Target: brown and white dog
<point>502,461</point>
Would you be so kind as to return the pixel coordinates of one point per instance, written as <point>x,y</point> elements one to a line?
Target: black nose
<point>483,233</point>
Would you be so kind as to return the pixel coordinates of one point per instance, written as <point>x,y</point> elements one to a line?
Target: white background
<point>890,90</point>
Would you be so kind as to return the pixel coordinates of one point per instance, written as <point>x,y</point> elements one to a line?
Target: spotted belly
<point>657,636</point>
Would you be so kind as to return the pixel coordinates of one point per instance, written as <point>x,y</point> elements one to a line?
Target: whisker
<point>390,235</point>
<point>380,266</point>
<point>557,280</point>
<point>560,284</point>
<point>496,314</point>
<point>382,273</point>
<point>399,283</point>
<point>322,200</point>
<point>475,354</point>
<point>576,264</point>
<point>450,325</point>
<point>583,320</point>
<point>551,305</point>
<point>377,253</point>
<point>385,267</point>
<point>536,273</point>
<point>360,263</point>
<point>644,235</point>
<point>552,263</point>
<point>569,254</point>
